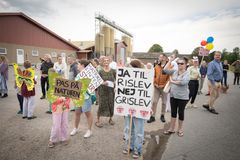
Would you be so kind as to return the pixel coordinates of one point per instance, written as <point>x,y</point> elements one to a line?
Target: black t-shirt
<point>45,67</point>
<point>225,67</point>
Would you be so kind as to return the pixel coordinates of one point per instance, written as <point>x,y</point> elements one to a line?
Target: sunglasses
<point>180,63</point>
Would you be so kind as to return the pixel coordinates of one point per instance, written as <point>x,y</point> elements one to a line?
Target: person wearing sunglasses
<point>179,93</point>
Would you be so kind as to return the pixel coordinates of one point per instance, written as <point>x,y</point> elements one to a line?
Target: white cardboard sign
<point>134,90</point>
<point>91,72</point>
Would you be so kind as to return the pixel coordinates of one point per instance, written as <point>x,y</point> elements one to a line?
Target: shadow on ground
<point>156,144</point>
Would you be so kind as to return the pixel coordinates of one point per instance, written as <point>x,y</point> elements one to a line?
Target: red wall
<point>18,30</point>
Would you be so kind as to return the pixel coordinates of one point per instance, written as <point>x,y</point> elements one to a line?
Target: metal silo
<point>112,41</point>
<point>106,31</point>
<point>99,44</point>
<point>126,39</point>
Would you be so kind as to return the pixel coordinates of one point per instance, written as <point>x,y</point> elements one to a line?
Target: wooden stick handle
<point>129,134</point>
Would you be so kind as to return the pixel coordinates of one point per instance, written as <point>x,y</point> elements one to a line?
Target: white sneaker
<point>194,106</point>
<point>88,134</point>
<point>189,106</point>
<point>74,131</point>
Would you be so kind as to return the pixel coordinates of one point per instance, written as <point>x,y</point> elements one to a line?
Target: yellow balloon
<point>209,46</point>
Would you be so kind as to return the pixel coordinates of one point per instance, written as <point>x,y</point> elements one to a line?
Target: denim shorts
<point>87,106</point>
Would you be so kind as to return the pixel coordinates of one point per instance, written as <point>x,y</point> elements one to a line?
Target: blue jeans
<point>224,80</point>
<point>20,100</point>
<point>3,85</point>
<point>137,133</point>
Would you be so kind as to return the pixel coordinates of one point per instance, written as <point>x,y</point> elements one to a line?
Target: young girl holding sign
<point>137,130</point>
<point>86,108</point>
<point>60,109</point>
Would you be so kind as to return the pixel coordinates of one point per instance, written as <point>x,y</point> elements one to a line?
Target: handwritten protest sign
<point>134,90</point>
<point>26,76</point>
<point>203,52</point>
<point>91,72</point>
<point>67,88</point>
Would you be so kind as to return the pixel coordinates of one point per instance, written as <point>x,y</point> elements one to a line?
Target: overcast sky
<point>174,24</point>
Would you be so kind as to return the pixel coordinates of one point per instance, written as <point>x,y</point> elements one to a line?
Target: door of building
<point>20,56</point>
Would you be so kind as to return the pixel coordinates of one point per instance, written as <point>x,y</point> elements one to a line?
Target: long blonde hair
<point>4,59</point>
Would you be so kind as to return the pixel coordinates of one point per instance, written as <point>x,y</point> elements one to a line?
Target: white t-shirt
<point>60,68</point>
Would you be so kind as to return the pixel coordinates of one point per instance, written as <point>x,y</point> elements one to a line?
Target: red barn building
<point>22,38</point>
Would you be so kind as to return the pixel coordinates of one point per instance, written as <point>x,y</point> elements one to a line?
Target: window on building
<point>3,51</point>
<point>34,53</point>
<point>54,54</point>
<point>63,54</point>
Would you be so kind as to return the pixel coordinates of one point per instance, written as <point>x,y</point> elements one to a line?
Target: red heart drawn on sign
<point>132,111</point>
<point>120,109</point>
<point>144,113</point>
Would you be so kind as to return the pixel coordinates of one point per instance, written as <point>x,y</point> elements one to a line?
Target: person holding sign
<point>86,108</point>
<point>179,93</point>
<point>60,109</point>
<point>106,93</point>
<point>137,127</point>
<point>28,94</point>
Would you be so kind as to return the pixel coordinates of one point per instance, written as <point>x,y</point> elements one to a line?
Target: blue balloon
<point>210,39</point>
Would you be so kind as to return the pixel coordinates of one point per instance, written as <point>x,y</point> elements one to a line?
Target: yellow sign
<point>26,76</point>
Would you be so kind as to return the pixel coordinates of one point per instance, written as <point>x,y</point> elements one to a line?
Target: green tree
<point>236,53</point>
<point>224,50</point>
<point>155,48</point>
<point>225,54</point>
<point>210,56</point>
<point>195,52</point>
<point>231,58</point>
<point>175,51</point>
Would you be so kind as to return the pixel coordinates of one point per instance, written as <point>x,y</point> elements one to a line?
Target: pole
<point>201,61</point>
<point>129,134</point>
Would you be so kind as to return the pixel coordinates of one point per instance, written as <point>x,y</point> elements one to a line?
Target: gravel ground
<point>23,139</point>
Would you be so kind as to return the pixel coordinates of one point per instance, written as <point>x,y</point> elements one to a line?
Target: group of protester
<point>176,80</point>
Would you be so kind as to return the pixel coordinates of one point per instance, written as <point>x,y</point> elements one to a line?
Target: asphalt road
<point>208,136</point>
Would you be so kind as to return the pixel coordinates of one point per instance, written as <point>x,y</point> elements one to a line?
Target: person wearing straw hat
<point>193,83</point>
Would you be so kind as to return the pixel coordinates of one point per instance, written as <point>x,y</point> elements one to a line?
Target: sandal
<point>168,132</point>
<point>180,133</point>
<point>51,144</point>
<point>98,124</point>
<point>111,122</point>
